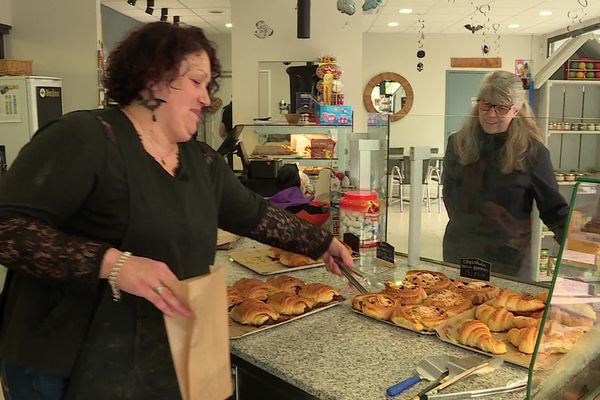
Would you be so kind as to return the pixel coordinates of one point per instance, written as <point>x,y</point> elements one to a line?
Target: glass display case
<point>566,362</point>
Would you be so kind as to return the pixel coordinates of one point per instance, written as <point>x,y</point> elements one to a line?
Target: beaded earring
<point>152,103</point>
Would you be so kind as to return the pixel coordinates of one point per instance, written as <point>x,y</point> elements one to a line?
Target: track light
<point>149,6</point>
<point>131,2</point>
<point>164,13</point>
<point>176,20</point>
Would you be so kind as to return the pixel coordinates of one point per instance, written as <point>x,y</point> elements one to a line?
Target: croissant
<point>274,252</point>
<point>524,322</point>
<point>286,283</point>
<point>288,303</point>
<point>375,305</point>
<point>409,293</point>
<point>524,338</point>
<point>497,319</point>
<point>542,296</point>
<point>254,288</point>
<point>513,301</point>
<point>563,317</point>
<point>253,312</point>
<point>475,333</point>
<point>294,260</point>
<point>580,309</point>
<point>233,297</point>
<point>319,293</point>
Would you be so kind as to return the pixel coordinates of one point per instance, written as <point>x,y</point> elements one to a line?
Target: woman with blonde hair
<point>494,167</point>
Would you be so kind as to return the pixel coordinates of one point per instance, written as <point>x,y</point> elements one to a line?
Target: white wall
<point>61,37</point>
<point>424,125</point>
<point>5,12</point>
<point>331,33</point>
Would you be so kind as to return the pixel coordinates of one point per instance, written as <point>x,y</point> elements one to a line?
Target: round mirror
<point>388,93</point>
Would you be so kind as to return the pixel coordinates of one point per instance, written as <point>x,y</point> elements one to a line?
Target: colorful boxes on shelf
<point>334,115</point>
<point>583,69</point>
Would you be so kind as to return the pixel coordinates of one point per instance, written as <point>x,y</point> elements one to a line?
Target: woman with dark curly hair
<point>103,208</point>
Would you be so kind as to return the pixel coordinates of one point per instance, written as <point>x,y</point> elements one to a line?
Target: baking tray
<point>226,240</point>
<point>258,260</point>
<point>393,324</point>
<point>237,330</point>
<point>449,327</point>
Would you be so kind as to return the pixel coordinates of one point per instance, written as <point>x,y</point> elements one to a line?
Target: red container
<point>359,215</point>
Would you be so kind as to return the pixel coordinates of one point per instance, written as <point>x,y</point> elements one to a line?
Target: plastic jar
<point>359,215</point>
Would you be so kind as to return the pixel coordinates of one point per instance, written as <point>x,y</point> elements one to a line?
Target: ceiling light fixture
<point>215,12</point>
<point>228,25</point>
<point>514,26</point>
<point>149,6</point>
<point>164,14</point>
<point>405,10</point>
<point>393,24</point>
<point>545,13</point>
<point>131,2</point>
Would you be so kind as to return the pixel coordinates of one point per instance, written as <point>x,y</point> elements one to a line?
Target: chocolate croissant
<point>288,303</point>
<point>497,319</point>
<point>253,312</point>
<point>475,333</point>
<point>286,283</point>
<point>375,305</point>
<point>294,260</point>
<point>253,288</point>
<point>233,297</point>
<point>524,338</point>
<point>319,293</point>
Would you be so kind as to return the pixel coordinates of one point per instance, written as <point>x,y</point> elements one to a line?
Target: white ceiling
<point>438,16</point>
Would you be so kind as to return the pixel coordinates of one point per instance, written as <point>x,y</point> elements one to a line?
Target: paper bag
<point>200,343</point>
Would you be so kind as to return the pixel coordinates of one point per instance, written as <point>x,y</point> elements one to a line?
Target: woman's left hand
<point>337,249</point>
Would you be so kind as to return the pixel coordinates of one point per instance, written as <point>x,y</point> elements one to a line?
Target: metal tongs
<point>349,273</point>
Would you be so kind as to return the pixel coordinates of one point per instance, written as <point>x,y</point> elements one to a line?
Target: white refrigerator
<point>26,104</point>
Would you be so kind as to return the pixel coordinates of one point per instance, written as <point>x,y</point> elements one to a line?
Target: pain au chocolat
<point>251,288</point>
<point>233,297</point>
<point>253,312</point>
<point>286,283</point>
<point>289,303</point>
<point>375,305</point>
<point>319,293</point>
<point>294,260</point>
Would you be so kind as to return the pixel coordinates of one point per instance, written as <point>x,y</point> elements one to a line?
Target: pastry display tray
<point>258,260</point>
<point>393,324</point>
<point>447,331</point>
<point>237,330</point>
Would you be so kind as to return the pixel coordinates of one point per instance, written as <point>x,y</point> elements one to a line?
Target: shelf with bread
<point>256,305</point>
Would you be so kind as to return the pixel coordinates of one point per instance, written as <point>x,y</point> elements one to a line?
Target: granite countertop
<point>338,354</point>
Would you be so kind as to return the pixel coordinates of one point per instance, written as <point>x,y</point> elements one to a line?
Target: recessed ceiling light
<point>393,24</point>
<point>215,12</point>
<point>545,13</point>
<point>405,10</point>
<point>514,26</point>
<point>228,25</point>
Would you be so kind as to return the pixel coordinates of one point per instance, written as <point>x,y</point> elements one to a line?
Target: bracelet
<point>114,272</point>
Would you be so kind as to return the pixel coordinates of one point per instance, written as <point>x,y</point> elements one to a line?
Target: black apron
<point>172,219</point>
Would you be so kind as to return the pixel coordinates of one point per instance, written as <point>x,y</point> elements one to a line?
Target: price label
<point>353,241</point>
<point>475,268</point>
<point>385,252</point>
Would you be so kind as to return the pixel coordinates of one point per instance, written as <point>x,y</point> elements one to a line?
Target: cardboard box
<point>322,148</point>
<point>334,115</point>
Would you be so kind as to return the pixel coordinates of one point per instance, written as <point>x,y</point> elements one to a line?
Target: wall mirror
<point>388,93</point>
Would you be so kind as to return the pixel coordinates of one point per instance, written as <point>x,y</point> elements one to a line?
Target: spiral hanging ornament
<point>421,36</point>
<point>495,28</point>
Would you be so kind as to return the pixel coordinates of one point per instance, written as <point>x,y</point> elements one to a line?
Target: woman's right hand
<point>147,278</point>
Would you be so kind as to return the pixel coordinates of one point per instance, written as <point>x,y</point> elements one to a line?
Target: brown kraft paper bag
<point>200,343</point>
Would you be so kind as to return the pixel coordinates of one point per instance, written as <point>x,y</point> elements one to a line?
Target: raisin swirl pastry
<point>286,283</point>
<point>418,317</point>
<point>289,303</point>
<point>375,305</point>
<point>451,302</point>
<point>429,280</point>
<point>233,297</point>
<point>319,293</point>
<point>477,291</point>
<point>409,293</point>
<point>253,312</point>
<point>253,288</point>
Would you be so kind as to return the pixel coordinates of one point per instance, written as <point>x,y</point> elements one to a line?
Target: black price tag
<point>353,241</point>
<point>475,268</point>
<point>385,252</point>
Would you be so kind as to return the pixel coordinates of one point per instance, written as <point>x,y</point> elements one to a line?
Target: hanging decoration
<point>421,39</point>
<point>263,30</point>
<point>577,15</point>
<point>484,10</point>
<point>346,6</point>
<point>369,5</point>
<point>496,28</point>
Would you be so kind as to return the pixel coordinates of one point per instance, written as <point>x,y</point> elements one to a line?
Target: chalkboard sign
<point>475,268</point>
<point>353,241</point>
<point>385,252</point>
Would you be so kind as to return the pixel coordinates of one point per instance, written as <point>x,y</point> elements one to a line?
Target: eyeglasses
<point>500,109</point>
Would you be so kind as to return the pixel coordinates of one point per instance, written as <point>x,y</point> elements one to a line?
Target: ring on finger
<point>158,289</point>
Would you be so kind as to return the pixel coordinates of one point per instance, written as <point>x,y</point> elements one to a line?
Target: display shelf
<point>297,129</point>
<point>565,132</point>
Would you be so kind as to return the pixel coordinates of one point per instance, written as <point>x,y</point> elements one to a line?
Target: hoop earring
<point>152,103</point>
